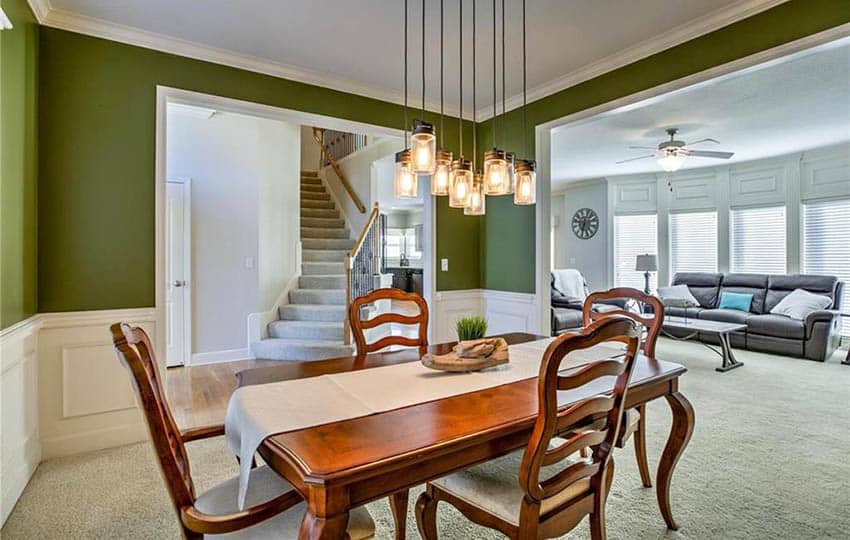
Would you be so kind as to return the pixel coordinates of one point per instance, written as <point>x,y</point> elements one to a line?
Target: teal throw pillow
<point>739,301</point>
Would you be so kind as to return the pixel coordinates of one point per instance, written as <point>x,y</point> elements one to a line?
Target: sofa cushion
<point>777,326</point>
<point>677,295</point>
<point>799,303</point>
<point>737,301</point>
<point>703,285</point>
<point>780,286</point>
<point>566,318</point>
<point>754,284</point>
<point>725,315</point>
<point>691,313</point>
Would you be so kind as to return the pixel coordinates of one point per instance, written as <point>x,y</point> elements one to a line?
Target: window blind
<point>634,235</point>
<point>826,245</point>
<point>693,242</point>
<point>757,240</point>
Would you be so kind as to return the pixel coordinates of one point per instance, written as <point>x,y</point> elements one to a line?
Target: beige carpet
<point>768,459</point>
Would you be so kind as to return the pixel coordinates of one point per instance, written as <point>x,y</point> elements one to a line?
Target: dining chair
<point>541,491</point>
<point>398,501</point>
<point>275,509</point>
<point>634,422</point>
<point>360,325</point>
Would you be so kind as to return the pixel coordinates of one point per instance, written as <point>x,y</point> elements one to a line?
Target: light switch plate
<point>249,262</point>
<point>444,265</point>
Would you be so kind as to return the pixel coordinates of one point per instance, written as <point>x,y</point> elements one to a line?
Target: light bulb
<point>423,142</point>
<point>460,183</point>
<point>405,184</point>
<point>476,204</point>
<point>496,178</point>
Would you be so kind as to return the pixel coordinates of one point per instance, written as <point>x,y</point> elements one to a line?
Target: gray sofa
<point>567,311</point>
<point>815,338</point>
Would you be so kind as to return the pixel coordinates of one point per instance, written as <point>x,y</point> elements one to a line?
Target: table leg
<point>729,360</point>
<point>314,527</point>
<point>398,505</point>
<point>680,434</point>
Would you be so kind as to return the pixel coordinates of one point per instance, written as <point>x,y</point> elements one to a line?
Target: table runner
<point>259,411</point>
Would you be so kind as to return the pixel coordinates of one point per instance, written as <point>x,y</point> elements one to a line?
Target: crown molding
<point>91,26</point>
<point>47,15</point>
<point>673,37</point>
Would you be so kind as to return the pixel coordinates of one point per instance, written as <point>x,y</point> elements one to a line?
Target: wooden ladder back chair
<point>136,353</point>
<point>555,490</point>
<point>359,326</point>
<point>634,422</point>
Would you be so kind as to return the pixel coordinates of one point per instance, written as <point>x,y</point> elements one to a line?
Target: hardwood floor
<point>198,395</point>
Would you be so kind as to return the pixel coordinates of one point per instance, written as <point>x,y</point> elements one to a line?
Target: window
<point>757,240</point>
<point>693,242</point>
<point>402,243</point>
<point>826,248</point>
<point>634,235</point>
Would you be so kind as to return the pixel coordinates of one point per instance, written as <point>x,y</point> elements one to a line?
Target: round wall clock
<point>585,223</point>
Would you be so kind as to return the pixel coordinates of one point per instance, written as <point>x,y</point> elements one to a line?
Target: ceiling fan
<point>672,154</point>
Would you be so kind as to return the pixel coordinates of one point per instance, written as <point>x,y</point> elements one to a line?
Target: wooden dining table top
<point>396,438</point>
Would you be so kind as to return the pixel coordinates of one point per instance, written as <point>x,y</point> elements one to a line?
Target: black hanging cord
<point>503,59</point>
<point>524,86</point>
<point>495,96</point>
<point>423,60</point>
<point>474,101</point>
<point>460,76</point>
<point>405,72</point>
<point>442,127</point>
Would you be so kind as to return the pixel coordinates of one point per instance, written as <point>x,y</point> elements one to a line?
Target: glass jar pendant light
<point>440,180</point>
<point>461,183</point>
<point>423,146</point>
<point>496,173</point>
<point>406,185</point>
<point>526,182</point>
<point>476,205</point>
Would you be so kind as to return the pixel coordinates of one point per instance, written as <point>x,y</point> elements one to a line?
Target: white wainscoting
<point>505,312</point>
<point>86,401</point>
<point>20,451</point>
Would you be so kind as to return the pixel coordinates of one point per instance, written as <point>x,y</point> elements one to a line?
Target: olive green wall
<point>97,149</point>
<point>510,229</point>
<point>18,164</point>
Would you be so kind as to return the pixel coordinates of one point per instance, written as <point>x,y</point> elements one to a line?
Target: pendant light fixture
<point>405,182</point>
<point>476,204</point>
<point>460,181</point>
<point>423,141</point>
<point>510,157</point>
<point>443,161</point>
<point>496,178</point>
<point>526,169</point>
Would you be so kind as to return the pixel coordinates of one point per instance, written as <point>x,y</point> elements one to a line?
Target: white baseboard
<point>215,357</point>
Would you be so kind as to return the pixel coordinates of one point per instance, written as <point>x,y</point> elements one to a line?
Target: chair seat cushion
<point>494,486</point>
<point>264,485</point>
<point>777,326</point>
<point>725,315</point>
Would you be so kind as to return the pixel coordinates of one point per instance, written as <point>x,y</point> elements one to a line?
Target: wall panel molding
<point>825,173</point>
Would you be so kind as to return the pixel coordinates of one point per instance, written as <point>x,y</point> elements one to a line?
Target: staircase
<point>311,325</point>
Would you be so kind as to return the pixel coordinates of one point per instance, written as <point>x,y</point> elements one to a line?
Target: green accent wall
<point>510,229</point>
<point>97,104</point>
<point>18,164</point>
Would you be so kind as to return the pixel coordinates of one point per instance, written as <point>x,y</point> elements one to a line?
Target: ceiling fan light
<point>423,145</point>
<point>442,173</point>
<point>526,182</point>
<point>477,203</point>
<point>672,160</point>
<point>496,174</point>
<point>405,181</point>
<point>460,183</point>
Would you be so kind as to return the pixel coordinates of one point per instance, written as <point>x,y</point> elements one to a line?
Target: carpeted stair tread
<point>313,312</point>
<point>315,196</point>
<point>323,223</point>
<point>317,296</point>
<point>309,203</point>
<point>322,268</point>
<point>327,213</point>
<point>327,243</point>
<point>303,350</point>
<point>306,330</point>
<point>324,255</point>
<point>322,281</point>
<point>324,232</point>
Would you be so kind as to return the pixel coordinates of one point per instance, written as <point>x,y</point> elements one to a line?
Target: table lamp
<point>646,263</point>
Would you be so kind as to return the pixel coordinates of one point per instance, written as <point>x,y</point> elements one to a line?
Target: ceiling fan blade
<point>642,147</point>
<point>710,154</point>
<point>635,159</point>
<point>715,141</point>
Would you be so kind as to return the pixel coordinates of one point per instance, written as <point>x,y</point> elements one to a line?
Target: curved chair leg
<point>426,514</point>
<point>640,448</point>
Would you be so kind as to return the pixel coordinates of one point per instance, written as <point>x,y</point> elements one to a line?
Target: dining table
<point>341,465</point>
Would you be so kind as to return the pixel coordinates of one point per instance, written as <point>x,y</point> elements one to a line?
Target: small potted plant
<point>469,328</point>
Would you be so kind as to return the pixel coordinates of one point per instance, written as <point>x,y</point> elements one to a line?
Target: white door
<point>177,267</point>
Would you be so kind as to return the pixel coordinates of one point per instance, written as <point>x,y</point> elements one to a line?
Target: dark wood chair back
<point>600,414</point>
<point>136,353</point>
<point>359,326</point>
<point>653,323</point>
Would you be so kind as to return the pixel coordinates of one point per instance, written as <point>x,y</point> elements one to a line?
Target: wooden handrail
<point>317,134</point>
<point>349,258</point>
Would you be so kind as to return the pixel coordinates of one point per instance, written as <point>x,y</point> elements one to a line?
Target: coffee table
<point>697,326</point>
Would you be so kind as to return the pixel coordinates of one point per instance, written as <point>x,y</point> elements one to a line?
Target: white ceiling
<point>356,45</point>
<point>786,107</point>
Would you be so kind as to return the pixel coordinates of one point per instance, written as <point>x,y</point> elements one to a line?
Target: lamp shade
<point>646,263</point>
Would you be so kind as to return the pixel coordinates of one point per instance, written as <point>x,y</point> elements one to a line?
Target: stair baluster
<point>363,263</point>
